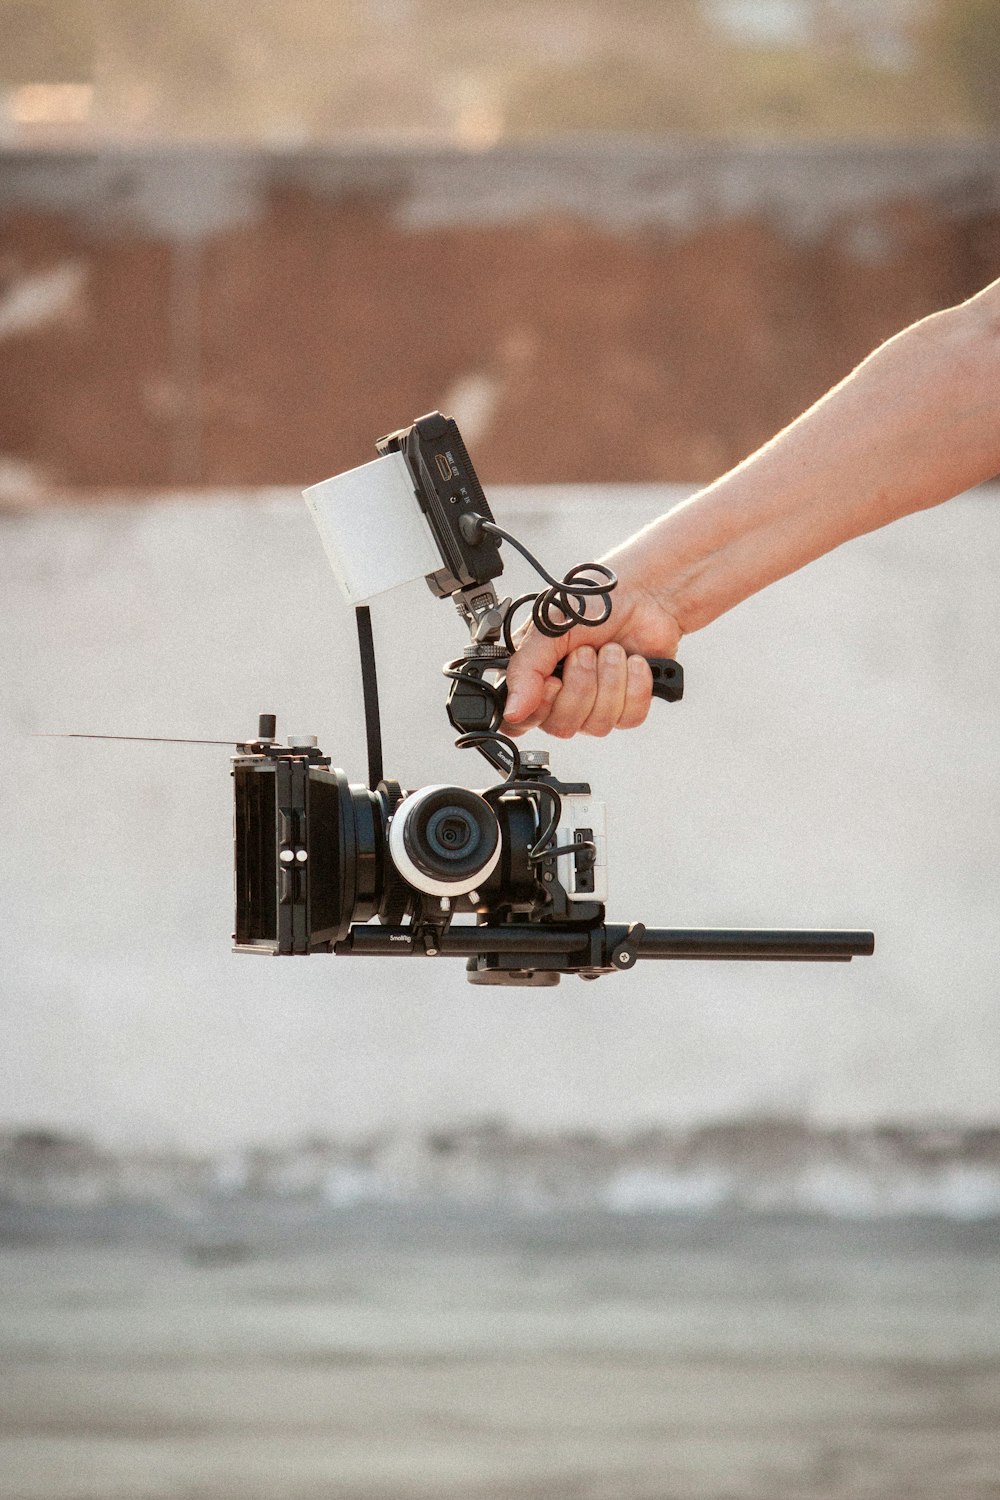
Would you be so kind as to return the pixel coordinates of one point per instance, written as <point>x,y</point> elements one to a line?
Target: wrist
<point>662,564</point>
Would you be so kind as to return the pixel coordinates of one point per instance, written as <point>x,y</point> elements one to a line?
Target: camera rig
<point>512,878</point>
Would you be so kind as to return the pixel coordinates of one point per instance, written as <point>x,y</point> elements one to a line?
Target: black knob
<point>267,726</point>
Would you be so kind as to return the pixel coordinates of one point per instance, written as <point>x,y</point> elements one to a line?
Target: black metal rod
<point>658,942</point>
<point>369,685</point>
<point>735,942</point>
<point>468,941</point>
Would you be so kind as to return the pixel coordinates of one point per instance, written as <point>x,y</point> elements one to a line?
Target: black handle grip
<point>474,706</point>
<point>668,678</point>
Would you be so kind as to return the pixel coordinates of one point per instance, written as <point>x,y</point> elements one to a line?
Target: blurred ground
<point>483,1356</point>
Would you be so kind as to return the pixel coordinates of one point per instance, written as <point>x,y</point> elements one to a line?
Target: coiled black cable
<point>513,782</point>
<point>555,610</point>
<point>568,597</point>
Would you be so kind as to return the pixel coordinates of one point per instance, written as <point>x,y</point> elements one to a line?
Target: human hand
<point>606,683</point>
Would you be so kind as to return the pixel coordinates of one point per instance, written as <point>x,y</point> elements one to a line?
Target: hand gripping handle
<point>668,678</point>
<point>476,706</point>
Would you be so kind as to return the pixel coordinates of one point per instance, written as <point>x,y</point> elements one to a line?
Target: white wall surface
<point>834,763</point>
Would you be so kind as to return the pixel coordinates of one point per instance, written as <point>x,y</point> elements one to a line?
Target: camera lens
<point>444,840</point>
<point>452,834</point>
<point>315,854</point>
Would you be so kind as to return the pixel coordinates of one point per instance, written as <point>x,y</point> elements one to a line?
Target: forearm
<point>916,423</point>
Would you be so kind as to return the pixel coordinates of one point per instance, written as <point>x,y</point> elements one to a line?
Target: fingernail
<point>513,705</point>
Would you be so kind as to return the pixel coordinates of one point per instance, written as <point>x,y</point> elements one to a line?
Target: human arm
<point>916,423</point>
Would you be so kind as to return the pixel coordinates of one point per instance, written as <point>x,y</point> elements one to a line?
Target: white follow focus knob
<point>444,840</point>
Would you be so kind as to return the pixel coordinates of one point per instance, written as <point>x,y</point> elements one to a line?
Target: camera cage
<point>317,858</point>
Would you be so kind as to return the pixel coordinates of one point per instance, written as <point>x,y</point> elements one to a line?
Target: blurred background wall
<point>238,242</point>
<point>831,765</point>
<point>595,312</point>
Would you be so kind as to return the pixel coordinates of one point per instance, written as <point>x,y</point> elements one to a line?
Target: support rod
<point>735,942</point>
<point>574,944</point>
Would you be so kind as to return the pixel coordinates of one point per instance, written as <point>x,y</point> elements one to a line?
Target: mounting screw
<point>534,758</point>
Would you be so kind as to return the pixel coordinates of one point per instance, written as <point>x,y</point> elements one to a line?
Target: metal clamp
<point>625,953</point>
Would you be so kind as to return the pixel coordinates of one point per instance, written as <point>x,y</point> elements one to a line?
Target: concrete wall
<point>833,763</point>
<point>591,312</point>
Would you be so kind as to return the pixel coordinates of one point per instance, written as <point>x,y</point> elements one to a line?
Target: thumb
<point>528,670</point>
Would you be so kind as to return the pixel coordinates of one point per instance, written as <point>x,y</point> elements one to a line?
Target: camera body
<point>513,877</point>
<point>315,854</point>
